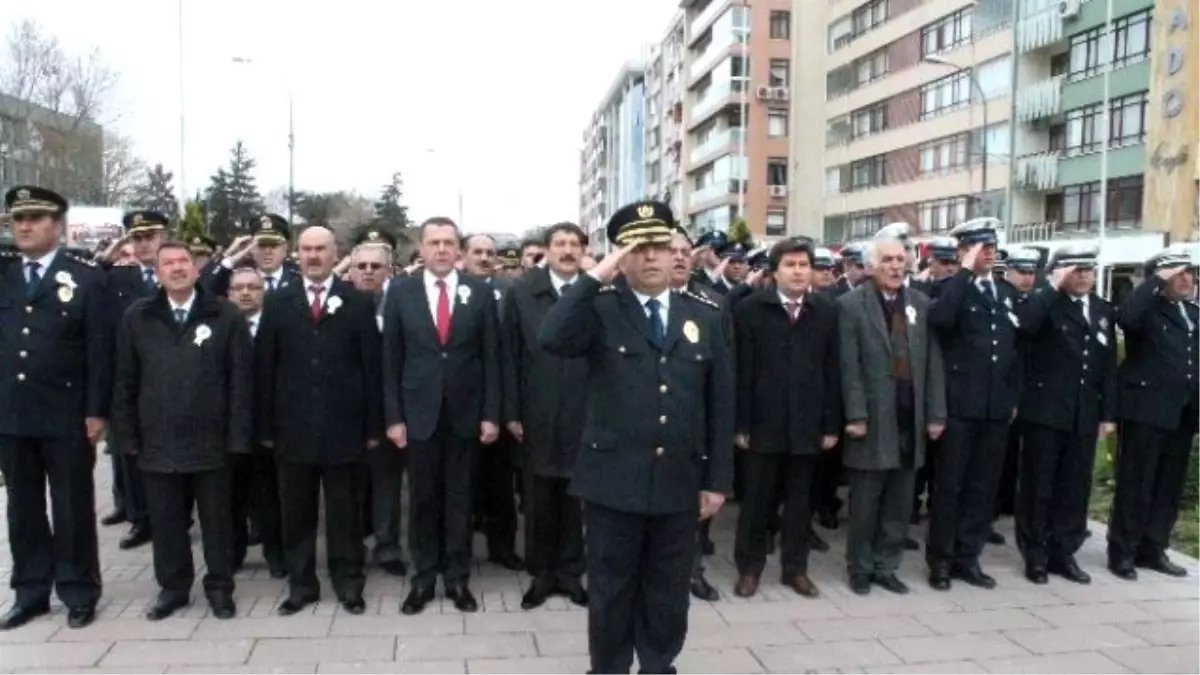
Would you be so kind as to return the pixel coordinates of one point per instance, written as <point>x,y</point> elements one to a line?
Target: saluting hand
<point>1059,276</point>
<point>606,270</point>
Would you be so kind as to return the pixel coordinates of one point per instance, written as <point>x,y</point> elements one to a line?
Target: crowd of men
<point>614,403</point>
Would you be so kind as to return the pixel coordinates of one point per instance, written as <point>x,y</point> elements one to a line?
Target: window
<point>780,75</point>
<point>1084,54</point>
<point>868,173</point>
<point>871,67</point>
<point>868,16</point>
<point>652,173</point>
<point>1059,64</point>
<point>781,25</point>
<point>1127,120</point>
<point>868,121</point>
<point>739,66</point>
<point>865,223</point>
<point>1127,125</point>
<point>840,34</point>
<point>995,76</point>
<point>1129,42</point>
<point>1082,125</point>
<point>776,223</point>
<point>1058,137</point>
<point>833,181</point>
<point>1132,38</point>
<point>777,124</point>
<point>941,215</point>
<point>1081,206</point>
<point>944,155</point>
<point>947,33</point>
<point>942,96</point>
<point>777,171</point>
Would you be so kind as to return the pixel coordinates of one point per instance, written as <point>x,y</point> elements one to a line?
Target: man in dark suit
<point>56,342</point>
<point>895,397</point>
<point>267,246</point>
<point>852,269</point>
<point>656,454</point>
<point>975,322</point>
<point>319,391</point>
<point>183,407</point>
<point>788,411</point>
<point>1069,399</point>
<point>441,383</point>
<point>545,412</point>
<point>1158,412</point>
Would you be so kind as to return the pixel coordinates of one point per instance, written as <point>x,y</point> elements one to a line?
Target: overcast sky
<point>501,90</point>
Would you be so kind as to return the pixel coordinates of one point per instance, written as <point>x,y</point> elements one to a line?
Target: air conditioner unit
<point>1068,9</point>
<point>778,190</point>
<point>763,93</point>
<point>780,93</point>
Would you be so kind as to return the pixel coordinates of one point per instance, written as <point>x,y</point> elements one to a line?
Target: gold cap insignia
<point>645,211</point>
<point>22,194</point>
<point>138,219</point>
<point>266,222</point>
<point>196,241</point>
<point>373,235</point>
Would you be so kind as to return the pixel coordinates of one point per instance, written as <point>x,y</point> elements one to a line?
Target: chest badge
<point>66,285</point>
<point>691,331</point>
<point>1103,323</point>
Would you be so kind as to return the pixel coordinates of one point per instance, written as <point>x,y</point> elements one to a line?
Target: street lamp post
<point>291,139</point>
<point>983,140</point>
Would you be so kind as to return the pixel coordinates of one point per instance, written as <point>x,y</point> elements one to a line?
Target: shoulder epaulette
<point>607,289</point>
<point>698,298</point>
<point>9,254</point>
<point>81,260</point>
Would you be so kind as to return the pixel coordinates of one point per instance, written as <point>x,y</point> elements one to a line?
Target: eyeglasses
<point>373,266</point>
<point>241,288</point>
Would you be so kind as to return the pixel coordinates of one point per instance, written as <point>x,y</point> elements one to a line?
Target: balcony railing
<point>715,191</point>
<point>704,18</point>
<point>714,98</point>
<point>1023,233</point>
<point>1038,171</point>
<point>719,140</point>
<point>1040,99</point>
<point>1040,29</point>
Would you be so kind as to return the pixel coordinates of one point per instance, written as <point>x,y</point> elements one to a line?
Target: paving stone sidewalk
<point>1151,626</point>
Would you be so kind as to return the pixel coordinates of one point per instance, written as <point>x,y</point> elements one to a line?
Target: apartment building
<point>1075,178</point>
<point>58,151</point>
<point>666,69</point>
<point>611,161</point>
<point>916,94</point>
<point>737,92</point>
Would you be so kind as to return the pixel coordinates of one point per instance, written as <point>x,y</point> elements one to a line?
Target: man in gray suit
<point>894,395</point>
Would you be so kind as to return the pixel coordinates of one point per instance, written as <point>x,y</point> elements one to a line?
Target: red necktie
<point>317,290</point>
<point>443,313</point>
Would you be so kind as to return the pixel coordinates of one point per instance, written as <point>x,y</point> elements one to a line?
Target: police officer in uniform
<point>853,271</point>
<point>975,322</point>
<point>1069,398</point>
<point>268,246</point>
<point>657,445</point>
<point>707,270</point>
<point>1158,411</point>
<point>202,248</point>
<point>56,350</point>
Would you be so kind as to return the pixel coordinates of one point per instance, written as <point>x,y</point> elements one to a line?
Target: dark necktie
<point>1082,310</point>
<point>563,289</point>
<point>270,284</point>
<point>793,310</point>
<point>148,279</point>
<point>180,316</point>
<point>35,278</point>
<point>656,323</point>
<point>988,289</point>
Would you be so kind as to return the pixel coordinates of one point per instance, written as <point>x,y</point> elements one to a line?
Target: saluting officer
<point>203,248</point>
<point>708,266</point>
<point>943,263</point>
<point>56,350</point>
<point>1069,398</point>
<point>267,245</point>
<point>657,446</point>
<point>853,271</point>
<point>1158,411</point>
<point>977,327</point>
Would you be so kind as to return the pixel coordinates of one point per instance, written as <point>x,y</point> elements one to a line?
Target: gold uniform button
<point>28,309</point>
<point>662,388</point>
<point>25,331</point>
<point>621,349</point>
<point>20,377</point>
<point>662,419</point>
<point>659,451</point>
<point>24,354</point>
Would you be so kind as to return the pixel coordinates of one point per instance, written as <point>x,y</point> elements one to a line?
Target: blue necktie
<point>148,276</point>
<point>656,322</point>
<point>270,284</point>
<point>180,316</point>
<point>988,290</point>
<point>35,278</point>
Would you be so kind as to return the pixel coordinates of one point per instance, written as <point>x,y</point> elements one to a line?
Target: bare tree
<point>122,170</point>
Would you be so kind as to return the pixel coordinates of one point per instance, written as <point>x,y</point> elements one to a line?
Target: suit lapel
<point>874,310</point>
<point>636,314</point>
<point>299,299</point>
<point>1173,312</point>
<point>418,302</point>
<point>47,281</point>
<point>1074,312</point>
<point>915,347</point>
<point>675,320</point>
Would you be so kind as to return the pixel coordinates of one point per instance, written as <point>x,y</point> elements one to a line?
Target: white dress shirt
<point>43,262</point>
<point>253,321</point>
<point>664,305</point>
<point>273,280</point>
<point>142,269</point>
<point>186,305</point>
<point>558,282</point>
<point>326,284</point>
<point>432,291</point>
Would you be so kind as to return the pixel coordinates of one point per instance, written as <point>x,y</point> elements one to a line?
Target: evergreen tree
<point>155,192</point>
<point>232,199</point>
<point>193,222</point>
<point>389,212</point>
<point>739,232</point>
<point>218,206</point>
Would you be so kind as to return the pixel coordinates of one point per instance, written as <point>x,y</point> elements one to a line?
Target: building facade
<point>55,150</point>
<point>611,163</point>
<point>665,71</point>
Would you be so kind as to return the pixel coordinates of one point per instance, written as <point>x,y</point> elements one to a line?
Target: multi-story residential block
<point>738,85</point>
<point>917,94</point>
<point>62,152</point>
<point>665,73</point>
<point>611,161</point>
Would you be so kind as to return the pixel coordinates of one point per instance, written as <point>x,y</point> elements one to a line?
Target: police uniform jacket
<point>659,419</point>
<point>788,378</point>
<point>216,277</point>
<point>1071,372</point>
<point>183,397</point>
<point>544,392</point>
<point>1157,379</point>
<point>127,284</point>
<point>978,338</point>
<point>318,384</point>
<point>56,347</point>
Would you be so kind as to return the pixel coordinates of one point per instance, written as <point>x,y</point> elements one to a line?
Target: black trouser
<point>638,579</point>
<point>256,500</point>
<point>762,470</point>
<point>925,474</point>
<point>300,487</point>
<point>386,481</point>
<point>118,481</point>
<point>880,507</point>
<point>553,529</point>
<point>827,476</point>
<point>441,472</point>
<point>169,498</point>
<point>495,500</point>
<point>964,490</point>
<point>65,557</point>
<point>1006,494</point>
<point>1056,484</point>
<point>136,510</point>
<point>1152,467</point>
<point>702,530</point>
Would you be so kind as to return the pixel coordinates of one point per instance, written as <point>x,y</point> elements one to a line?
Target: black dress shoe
<point>354,606</point>
<point>539,592</point>
<point>828,520</point>
<point>1068,569</point>
<point>222,606</point>
<point>416,601</point>
<point>816,543</point>
<point>995,538</point>
<point>509,561</point>
<point>79,617</point>
<point>1162,564</point>
<point>1036,573</point>
<point>20,615</point>
<point>890,582</point>
<point>462,598</point>
<point>1123,569</point>
<point>939,577</point>
<point>396,568</point>
<point>973,575</point>
<point>860,584</point>
<point>253,536</point>
<point>574,591</point>
<point>707,547</point>
<point>276,569</point>
<point>139,535</point>
<point>293,605</point>
<point>114,518</point>
<point>166,605</point>
<point>702,590</point>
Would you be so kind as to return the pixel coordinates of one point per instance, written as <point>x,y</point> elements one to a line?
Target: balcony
<point>1038,172</point>
<point>705,19</point>
<point>1040,99</point>
<point>722,140</point>
<point>719,189</point>
<point>1039,30</point>
<point>1024,233</point>
<point>714,98</point>
<point>715,51</point>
